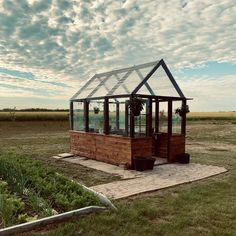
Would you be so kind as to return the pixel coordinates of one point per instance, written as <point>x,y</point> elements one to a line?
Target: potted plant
<point>182,110</point>
<point>96,110</point>
<point>136,105</point>
<point>141,163</point>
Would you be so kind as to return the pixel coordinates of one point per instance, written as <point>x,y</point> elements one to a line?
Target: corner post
<point>86,115</point>
<point>71,115</point>
<point>131,122</point>
<point>169,129</point>
<point>183,120</point>
<point>157,115</point>
<point>149,117</point>
<point>126,118</point>
<point>106,116</point>
<point>117,116</point>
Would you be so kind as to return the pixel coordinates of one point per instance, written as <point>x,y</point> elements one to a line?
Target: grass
<point>206,207</point>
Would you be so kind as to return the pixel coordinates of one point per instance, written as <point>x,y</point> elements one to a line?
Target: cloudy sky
<point>48,48</point>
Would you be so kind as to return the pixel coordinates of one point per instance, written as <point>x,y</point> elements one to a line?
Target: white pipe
<point>101,197</point>
<point>48,220</point>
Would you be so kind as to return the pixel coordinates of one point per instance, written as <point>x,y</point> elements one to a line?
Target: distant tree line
<point>32,110</point>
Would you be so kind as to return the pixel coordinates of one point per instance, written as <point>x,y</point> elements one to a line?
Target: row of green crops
<point>11,206</point>
<point>38,190</point>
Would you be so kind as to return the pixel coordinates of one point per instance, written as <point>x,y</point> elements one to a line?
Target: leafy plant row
<point>44,191</point>
<point>10,206</point>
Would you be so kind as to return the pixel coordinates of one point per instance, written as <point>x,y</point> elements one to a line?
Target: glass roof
<point>152,78</point>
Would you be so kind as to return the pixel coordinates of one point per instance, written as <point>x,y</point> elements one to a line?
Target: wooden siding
<point>118,150</point>
<point>177,145</point>
<point>112,149</point>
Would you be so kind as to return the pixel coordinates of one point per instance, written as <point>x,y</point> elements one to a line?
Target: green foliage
<point>22,218</point>
<point>10,206</point>
<point>136,105</point>
<point>182,110</point>
<point>96,110</point>
<point>57,191</point>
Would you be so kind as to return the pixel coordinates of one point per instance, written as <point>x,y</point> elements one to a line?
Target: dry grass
<point>63,116</point>
<point>212,114</point>
<point>31,116</point>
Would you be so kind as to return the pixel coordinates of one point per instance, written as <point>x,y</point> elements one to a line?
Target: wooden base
<point>115,149</point>
<point>176,146</point>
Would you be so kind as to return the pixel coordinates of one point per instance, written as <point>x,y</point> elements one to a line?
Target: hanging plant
<point>96,110</point>
<point>136,105</point>
<point>183,110</point>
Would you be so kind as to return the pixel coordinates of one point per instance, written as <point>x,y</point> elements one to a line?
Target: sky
<point>49,48</point>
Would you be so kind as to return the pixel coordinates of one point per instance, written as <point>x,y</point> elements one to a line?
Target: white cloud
<point>67,41</point>
<point>210,94</point>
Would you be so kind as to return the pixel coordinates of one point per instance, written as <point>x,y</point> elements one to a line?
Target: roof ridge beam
<point>128,68</point>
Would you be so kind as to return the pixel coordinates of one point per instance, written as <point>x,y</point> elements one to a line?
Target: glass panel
<point>176,119</point>
<point>86,91</point>
<point>117,118</point>
<point>130,83</point>
<point>78,115</point>
<point>115,83</point>
<point>163,117</point>
<point>153,116</point>
<point>112,118</point>
<point>161,84</point>
<point>145,71</point>
<point>141,123</point>
<point>96,117</point>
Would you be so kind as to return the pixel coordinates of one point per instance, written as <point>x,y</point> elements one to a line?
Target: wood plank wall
<point>120,150</point>
<point>111,149</point>
<point>177,145</point>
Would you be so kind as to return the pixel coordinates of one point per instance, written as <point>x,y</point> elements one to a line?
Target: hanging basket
<point>135,112</point>
<point>96,110</point>
<point>183,110</point>
<point>136,105</point>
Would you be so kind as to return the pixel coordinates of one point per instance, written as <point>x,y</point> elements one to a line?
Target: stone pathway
<point>162,176</point>
<point>105,167</point>
<point>108,168</point>
<point>134,182</point>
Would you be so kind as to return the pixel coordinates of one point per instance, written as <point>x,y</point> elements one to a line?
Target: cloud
<point>65,41</point>
<point>210,93</point>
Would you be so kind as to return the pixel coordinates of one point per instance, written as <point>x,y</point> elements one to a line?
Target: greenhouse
<point>129,112</point>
